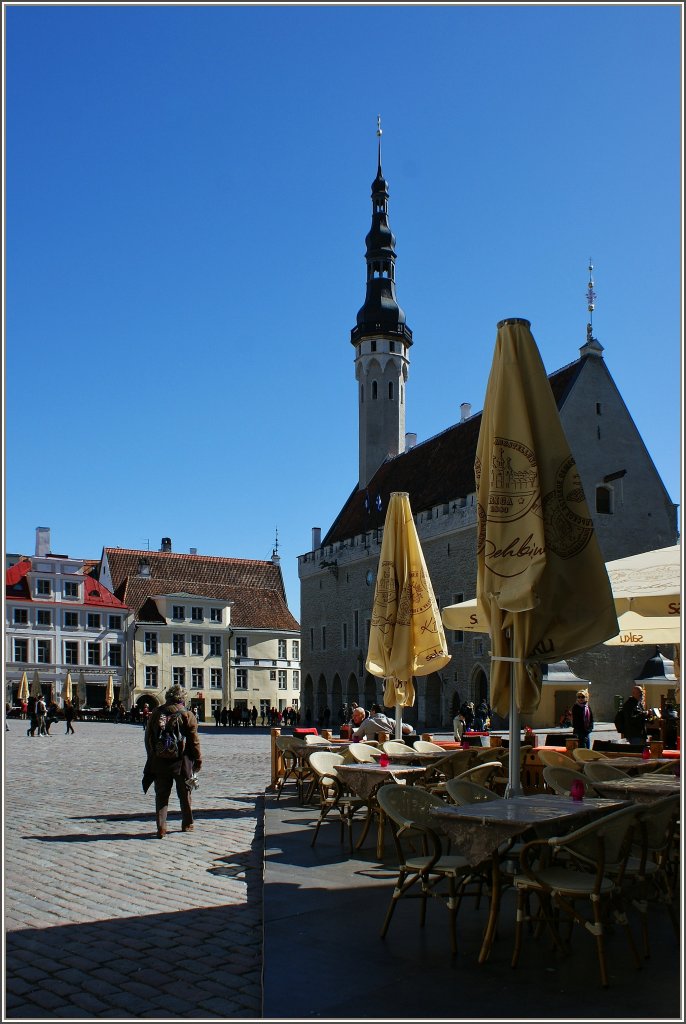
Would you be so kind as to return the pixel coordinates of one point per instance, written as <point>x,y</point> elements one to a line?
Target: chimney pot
<point>465,411</point>
<point>166,544</point>
<point>316,537</point>
<point>42,540</point>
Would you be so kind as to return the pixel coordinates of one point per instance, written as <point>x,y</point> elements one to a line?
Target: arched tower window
<point>390,390</point>
<point>603,500</point>
<point>362,394</point>
<point>374,390</point>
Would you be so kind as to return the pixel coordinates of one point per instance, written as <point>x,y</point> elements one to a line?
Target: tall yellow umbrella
<point>542,586</point>
<point>66,693</point>
<point>36,689</point>
<point>406,636</point>
<point>109,692</point>
<point>23,693</point>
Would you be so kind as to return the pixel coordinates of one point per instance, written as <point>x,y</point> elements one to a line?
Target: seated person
<point>459,725</point>
<point>368,727</point>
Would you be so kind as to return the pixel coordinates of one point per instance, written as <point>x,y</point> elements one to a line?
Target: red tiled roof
<point>435,472</point>
<point>17,572</point>
<point>255,587</point>
<point>95,593</point>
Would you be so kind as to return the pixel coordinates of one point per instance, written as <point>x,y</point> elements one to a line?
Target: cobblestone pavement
<point>105,920</point>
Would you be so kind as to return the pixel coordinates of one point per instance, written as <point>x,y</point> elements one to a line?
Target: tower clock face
<point>370,578</point>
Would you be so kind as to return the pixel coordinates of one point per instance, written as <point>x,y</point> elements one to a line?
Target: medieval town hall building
<point>631,509</point>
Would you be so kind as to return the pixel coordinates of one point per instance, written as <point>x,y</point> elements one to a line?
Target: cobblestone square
<point>105,920</point>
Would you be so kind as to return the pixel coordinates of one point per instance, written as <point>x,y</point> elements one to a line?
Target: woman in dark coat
<point>165,772</point>
<point>582,719</point>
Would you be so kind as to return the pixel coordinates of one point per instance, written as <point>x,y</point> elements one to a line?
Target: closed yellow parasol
<point>406,636</point>
<point>542,585</point>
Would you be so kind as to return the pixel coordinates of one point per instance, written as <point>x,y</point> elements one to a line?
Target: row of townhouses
<point>220,627</point>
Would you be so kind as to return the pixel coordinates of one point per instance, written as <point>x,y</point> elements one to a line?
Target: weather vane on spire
<point>590,298</point>
<point>379,133</point>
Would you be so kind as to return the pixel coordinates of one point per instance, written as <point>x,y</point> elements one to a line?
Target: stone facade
<point>631,509</point>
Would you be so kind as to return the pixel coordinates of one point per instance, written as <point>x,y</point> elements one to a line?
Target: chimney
<point>166,544</point>
<point>410,441</point>
<point>465,411</point>
<point>316,537</point>
<point>42,540</point>
<point>194,551</point>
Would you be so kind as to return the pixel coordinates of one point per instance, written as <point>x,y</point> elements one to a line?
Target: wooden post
<point>277,760</point>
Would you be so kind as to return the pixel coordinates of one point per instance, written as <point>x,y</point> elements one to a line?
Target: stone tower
<point>382,342</point>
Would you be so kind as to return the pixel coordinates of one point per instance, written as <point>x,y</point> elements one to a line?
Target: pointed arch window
<point>374,390</point>
<point>390,390</point>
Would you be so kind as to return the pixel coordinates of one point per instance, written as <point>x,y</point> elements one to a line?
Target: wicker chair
<point>332,793</point>
<point>591,867</point>
<point>421,874</point>
<point>560,781</point>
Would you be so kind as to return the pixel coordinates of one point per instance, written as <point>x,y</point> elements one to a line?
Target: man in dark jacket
<point>165,771</point>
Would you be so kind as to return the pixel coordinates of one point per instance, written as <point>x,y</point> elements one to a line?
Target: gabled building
<point>220,627</point>
<point>59,619</point>
<point>631,509</point>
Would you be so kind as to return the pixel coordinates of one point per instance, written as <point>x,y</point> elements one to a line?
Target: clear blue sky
<point>187,195</point>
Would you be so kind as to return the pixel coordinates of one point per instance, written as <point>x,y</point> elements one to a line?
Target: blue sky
<point>187,193</point>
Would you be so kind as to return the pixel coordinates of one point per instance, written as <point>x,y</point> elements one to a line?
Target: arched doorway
<point>307,701</point>
<point>432,702</point>
<point>337,700</point>
<point>370,691</point>
<point>321,701</point>
<point>353,689</point>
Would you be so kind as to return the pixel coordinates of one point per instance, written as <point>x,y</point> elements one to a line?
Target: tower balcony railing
<point>400,330</point>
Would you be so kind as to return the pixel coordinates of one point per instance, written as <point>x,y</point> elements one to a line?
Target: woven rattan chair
<point>564,871</point>
<point>391,747</point>
<point>423,867</point>
<point>599,771</point>
<point>560,781</point>
<point>554,758</point>
<point>583,754</point>
<point>332,793</point>
<point>426,747</point>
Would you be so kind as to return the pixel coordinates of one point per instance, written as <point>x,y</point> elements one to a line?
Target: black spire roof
<point>380,313</point>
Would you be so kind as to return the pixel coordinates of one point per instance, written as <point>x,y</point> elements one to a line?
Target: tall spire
<point>592,346</point>
<point>590,298</point>
<point>380,313</point>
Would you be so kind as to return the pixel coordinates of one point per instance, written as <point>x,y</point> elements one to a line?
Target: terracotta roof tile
<point>255,587</point>
<point>435,472</point>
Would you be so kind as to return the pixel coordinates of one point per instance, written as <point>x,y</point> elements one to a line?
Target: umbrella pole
<point>398,720</point>
<point>513,787</point>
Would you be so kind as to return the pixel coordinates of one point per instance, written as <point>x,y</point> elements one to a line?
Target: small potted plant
<point>529,739</point>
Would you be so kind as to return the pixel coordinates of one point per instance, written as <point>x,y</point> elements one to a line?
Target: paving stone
<point>107,911</point>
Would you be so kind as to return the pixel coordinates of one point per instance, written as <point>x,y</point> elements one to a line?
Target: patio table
<point>478,832</point>
<point>636,765</point>
<point>640,789</point>
<point>365,779</point>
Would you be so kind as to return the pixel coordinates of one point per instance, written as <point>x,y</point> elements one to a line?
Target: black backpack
<point>169,741</point>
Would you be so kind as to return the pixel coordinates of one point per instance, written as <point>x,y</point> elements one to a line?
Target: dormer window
<point>144,567</point>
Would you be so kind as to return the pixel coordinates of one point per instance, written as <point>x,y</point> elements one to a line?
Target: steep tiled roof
<point>434,472</point>
<point>255,587</point>
<point>96,594</point>
<point>15,580</point>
